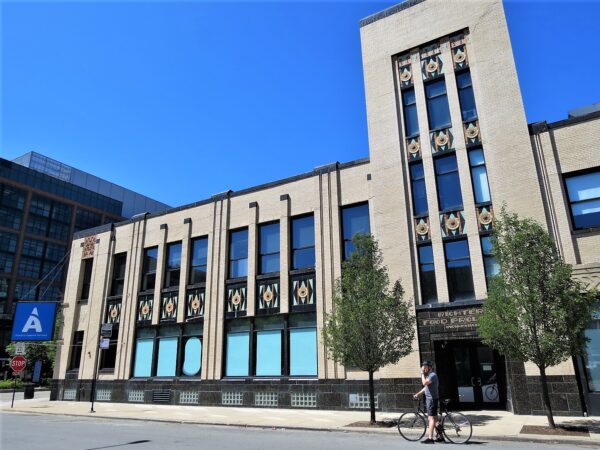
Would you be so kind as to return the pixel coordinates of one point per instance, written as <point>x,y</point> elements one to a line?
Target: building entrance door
<point>471,374</point>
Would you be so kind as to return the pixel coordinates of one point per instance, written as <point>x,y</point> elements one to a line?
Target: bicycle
<point>454,426</point>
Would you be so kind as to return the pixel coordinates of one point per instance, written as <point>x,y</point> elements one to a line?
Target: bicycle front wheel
<point>412,426</point>
<point>457,428</point>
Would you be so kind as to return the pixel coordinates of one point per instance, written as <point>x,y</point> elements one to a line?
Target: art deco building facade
<point>222,302</point>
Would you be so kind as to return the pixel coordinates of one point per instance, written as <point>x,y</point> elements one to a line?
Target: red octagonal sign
<point>18,363</point>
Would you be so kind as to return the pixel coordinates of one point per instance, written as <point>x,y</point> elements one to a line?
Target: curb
<point>474,440</point>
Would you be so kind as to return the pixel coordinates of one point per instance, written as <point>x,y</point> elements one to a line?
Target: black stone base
<point>393,394</point>
<point>564,395</point>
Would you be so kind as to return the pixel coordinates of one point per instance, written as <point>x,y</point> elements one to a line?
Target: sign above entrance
<point>453,319</point>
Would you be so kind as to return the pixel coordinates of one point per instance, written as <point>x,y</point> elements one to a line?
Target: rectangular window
<point>592,355</point>
<point>481,187</point>
<point>199,260</point>
<point>303,242</point>
<point>303,352</point>
<point>238,253</point>
<point>458,270</point>
<point>237,354</point>
<point>448,183</point>
<point>427,274</point>
<point>167,353</point>
<point>192,350</point>
<point>144,351</point>
<point>268,237</point>
<point>108,356</point>
<point>12,197</point>
<point>438,111</point>
<point>87,279</point>
<point>173,265</point>
<point>149,268</point>
<point>489,260</point>
<point>584,199</point>
<point>118,274</point>
<point>419,192</point>
<point>268,353</point>
<point>409,105</point>
<point>466,97</point>
<point>76,349</point>
<point>355,220</point>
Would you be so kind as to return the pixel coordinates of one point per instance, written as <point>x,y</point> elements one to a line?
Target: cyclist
<point>430,388</point>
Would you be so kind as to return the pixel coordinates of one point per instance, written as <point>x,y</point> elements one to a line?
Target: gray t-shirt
<point>431,390</point>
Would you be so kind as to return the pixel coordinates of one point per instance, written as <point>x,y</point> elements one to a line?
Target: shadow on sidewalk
<point>481,419</point>
<point>593,425</point>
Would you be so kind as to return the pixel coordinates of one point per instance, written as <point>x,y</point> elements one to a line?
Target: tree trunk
<point>372,397</point>
<point>546,396</point>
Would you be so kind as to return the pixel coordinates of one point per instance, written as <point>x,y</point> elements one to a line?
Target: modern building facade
<point>223,302</point>
<point>42,203</point>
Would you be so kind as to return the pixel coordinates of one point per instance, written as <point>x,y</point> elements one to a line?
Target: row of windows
<point>355,219</point>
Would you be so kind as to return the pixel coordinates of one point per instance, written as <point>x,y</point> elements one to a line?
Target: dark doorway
<point>471,374</point>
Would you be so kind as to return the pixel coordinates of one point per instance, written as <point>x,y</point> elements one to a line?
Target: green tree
<point>535,311</point>
<point>370,325</point>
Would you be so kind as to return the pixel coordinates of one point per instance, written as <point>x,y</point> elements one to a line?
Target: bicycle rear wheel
<point>457,428</point>
<point>412,426</point>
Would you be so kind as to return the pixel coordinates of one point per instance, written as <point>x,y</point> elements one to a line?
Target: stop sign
<point>18,363</point>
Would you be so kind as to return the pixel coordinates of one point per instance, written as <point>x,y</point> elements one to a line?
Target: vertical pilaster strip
<point>284,256</point>
<point>160,270</point>
<point>220,289</point>
<point>252,255</point>
<point>184,270</point>
<point>209,335</point>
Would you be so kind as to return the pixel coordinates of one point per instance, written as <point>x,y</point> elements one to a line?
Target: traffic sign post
<point>20,348</point>
<point>17,364</point>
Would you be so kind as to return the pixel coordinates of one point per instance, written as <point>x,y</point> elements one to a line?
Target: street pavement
<point>488,425</point>
<point>35,432</point>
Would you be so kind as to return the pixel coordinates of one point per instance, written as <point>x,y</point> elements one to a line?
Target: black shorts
<point>431,406</point>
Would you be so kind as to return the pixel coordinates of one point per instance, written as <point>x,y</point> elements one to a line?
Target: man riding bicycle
<point>430,388</point>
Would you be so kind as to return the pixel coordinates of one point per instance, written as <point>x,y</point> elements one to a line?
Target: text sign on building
<point>452,320</point>
<point>106,330</point>
<point>34,321</point>
<point>18,364</point>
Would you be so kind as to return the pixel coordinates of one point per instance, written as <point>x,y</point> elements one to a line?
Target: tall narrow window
<point>427,274</point>
<point>466,97</point>
<point>303,345</point>
<point>355,220</point>
<point>118,277</point>
<point>584,198</point>
<point>458,270</point>
<point>168,343</point>
<point>173,268</point>
<point>409,105</point>
<point>438,111</point>
<point>303,242</point>
<point>144,352</point>
<point>76,349</point>
<point>481,187</point>
<point>87,279</point>
<point>149,268</point>
<point>448,183</point>
<point>192,350</point>
<point>268,238</point>
<point>108,356</point>
<point>268,347</point>
<point>419,192</point>
<point>237,361</point>
<point>238,253</point>
<point>199,261</point>
<point>489,260</point>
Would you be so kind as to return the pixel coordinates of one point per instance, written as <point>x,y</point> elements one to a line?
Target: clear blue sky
<point>181,100</point>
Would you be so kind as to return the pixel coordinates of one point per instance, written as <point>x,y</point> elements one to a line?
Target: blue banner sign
<point>34,321</point>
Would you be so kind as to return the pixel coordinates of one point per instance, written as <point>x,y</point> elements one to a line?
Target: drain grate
<point>161,396</point>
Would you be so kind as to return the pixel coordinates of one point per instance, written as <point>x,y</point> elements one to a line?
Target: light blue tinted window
<point>304,258</point>
<point>448,183</point>
<point>466,97</point>
<point>491,266</point>
<point>192,357</point>
<point>269,263</point>
<point>586,214</point>
<point>237,354</point>
<point>268,353</point>
<point>592,356</point>
<point>167,357</point>
<point>437,105</point>
<point>425,254</point>
<point>476,157</point>
<point>144,349</point>
<point>303,351</point>
<point>481,187</point>
<point>238,268</point>
<point>486,245</point>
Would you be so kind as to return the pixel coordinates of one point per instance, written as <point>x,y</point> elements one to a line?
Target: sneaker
<point>428,441</point>
<point>440,439</point>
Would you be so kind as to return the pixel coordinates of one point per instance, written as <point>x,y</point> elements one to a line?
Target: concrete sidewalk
<point>488,425</point>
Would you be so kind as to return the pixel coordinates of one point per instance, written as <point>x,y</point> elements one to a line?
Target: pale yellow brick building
<point>223,301</point>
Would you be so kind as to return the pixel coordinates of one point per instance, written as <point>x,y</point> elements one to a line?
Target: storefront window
<point>144,348</point>
<point>303,345</point>
<point>592,357</point>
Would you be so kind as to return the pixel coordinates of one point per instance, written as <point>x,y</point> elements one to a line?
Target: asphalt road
<point>44,432</point>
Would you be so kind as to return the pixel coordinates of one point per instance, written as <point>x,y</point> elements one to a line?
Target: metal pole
<point>14,390</point>
<point>96,366</point>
